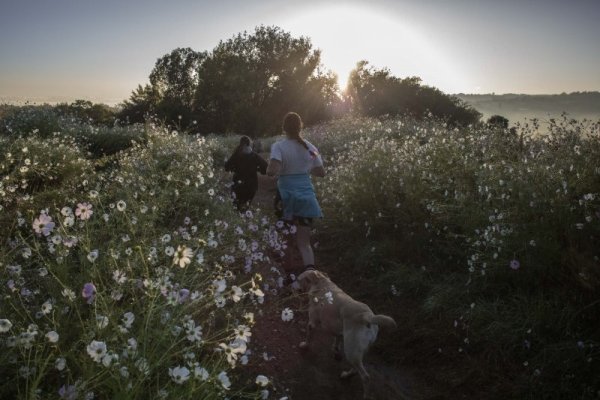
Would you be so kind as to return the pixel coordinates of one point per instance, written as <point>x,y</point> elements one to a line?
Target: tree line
<point>248,82</point>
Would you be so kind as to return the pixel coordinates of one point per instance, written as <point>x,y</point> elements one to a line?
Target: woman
<point>245,163</point>
<point>293,160</point>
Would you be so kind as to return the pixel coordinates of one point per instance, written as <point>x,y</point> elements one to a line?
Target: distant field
<point>518,107</point>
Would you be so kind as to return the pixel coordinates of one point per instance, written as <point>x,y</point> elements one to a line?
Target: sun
<point>346,34</point>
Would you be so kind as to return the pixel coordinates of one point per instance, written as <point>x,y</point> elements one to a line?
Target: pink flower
<point>89,292</point>
<point>43,224</point>
<point>84,211</point>
<point>515,264</point>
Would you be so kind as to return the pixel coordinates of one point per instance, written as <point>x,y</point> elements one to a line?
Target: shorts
<point>302,221</point>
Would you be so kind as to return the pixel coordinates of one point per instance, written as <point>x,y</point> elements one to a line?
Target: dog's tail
<point>383,320</point>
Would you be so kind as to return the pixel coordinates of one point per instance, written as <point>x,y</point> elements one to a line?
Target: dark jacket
<point>244,167</point>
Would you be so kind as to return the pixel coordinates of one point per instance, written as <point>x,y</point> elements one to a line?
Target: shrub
<point>497,232</point>
<point>140,281</point>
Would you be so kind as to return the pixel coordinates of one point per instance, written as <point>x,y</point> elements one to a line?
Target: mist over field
<point>518,107</point>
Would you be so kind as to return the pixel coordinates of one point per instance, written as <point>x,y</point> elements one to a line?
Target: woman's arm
<point>318,171</point>
<point>274,167</point>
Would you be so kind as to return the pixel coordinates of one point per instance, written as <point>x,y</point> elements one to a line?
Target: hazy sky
<point>60,50</point>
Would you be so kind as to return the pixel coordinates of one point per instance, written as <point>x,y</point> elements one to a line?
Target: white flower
<point>169,251</point>
<point>225,382</point>
<point>200,373</point>
<point>60,363</point>
<point>262,380</point>
<point>243,332</point>
<point>236,293</point>
<point>287,314</point>
<point>69,294</point>
<point>69,221</point>
<point>96,350</point>
<point>128,319</point>
<point>47,307</point>
<point>179,374</point>
<point>119,276</point>
<point>101,321</point>
<point>5,325</point>
<point>52,336</point>
<point>183,256</point>
<point>92,255</point>
<point>66,212</point>
<point>166,238</point>
<point>121,205</point>
<point>219,285</point>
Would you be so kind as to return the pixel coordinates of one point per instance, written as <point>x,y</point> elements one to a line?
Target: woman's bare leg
<point>303,242</point>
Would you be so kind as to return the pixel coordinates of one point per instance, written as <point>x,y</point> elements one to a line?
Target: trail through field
<point>303,374</point>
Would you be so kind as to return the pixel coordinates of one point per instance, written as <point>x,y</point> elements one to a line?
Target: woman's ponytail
<point>292,125</point>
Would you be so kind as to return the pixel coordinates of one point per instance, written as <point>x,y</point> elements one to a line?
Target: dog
<point>352,323</point>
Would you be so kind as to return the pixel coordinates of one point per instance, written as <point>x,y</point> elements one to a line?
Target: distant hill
<point>517,107</point>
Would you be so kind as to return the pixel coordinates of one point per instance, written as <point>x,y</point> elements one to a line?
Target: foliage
<point>135,281</point>
<point>84,110</point>
<point>493,239</point>
<point>26,120</point>
<point>498,121</point>
<point>376,92</point>
<point>250,81</point>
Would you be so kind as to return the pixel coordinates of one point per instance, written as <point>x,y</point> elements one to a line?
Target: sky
<point>100,50</point>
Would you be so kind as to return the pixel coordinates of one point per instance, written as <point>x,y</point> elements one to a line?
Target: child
<point>245,163</point>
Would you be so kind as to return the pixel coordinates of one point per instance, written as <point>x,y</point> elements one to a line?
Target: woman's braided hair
<point>292,125</point>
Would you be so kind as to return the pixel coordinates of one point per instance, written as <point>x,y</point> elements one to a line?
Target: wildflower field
<point>126,272</point>
<point>483,243</point>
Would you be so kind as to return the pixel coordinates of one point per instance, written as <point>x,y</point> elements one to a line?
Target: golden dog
<point>349,321</point>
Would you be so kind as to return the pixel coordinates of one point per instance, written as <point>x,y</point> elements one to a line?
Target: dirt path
<point>314,374</point>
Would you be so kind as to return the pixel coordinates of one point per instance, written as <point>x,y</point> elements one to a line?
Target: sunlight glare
<point>348,34</point>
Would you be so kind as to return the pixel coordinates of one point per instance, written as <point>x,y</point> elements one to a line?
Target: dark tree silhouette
<point>250,81</point>
<point>376,92</point>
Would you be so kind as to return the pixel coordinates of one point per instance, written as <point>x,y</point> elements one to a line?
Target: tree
<point>141,104</point>
<point>174,79</point>
<point>498,121</point>
<point>376,92</point>
<point>248,83</point>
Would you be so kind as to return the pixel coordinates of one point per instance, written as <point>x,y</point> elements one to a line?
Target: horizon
<point>67,50</point>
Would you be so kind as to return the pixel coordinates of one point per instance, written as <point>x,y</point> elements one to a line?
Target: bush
<point>497,232</point>
<point>137,281</point>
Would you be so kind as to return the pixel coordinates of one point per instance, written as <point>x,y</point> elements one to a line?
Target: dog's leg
<point>338,342</point>
<point>364,377</point>
<point>306,343</point>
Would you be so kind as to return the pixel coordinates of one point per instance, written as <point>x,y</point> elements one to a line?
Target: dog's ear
<point>307,278</point>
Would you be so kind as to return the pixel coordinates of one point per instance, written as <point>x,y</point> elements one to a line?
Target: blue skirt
<point>298,197</point>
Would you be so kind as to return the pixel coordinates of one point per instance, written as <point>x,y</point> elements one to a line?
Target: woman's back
<point>294,157</point>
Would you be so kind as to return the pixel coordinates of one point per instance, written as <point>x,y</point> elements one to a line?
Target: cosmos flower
<point>287,315</point>
<point>183,256</point>
<point>5,325</point>
<point>121,205</point>
<point>262,380</point>
<point>224,379</point>
<point>52,336</point>
<point>89,292</point>
<point>515,264</point>
<point>43,224</point>
<point>84,211</point>
<point>96,350</point>
<point>179,374</point>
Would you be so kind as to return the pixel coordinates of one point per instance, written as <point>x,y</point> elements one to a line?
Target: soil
<point>303,374</point>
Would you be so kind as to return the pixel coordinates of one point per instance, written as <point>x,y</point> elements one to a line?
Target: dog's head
<point>310,278</point>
